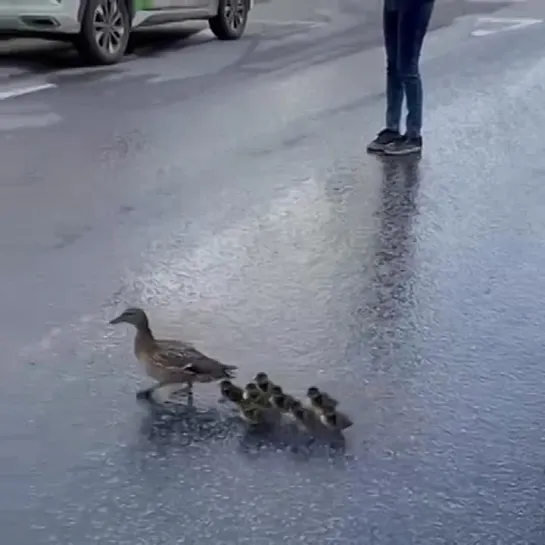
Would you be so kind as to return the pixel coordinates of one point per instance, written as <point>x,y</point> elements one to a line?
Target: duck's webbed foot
<point>164,392</point>
<point>177,390</point>
<point>189,391</point>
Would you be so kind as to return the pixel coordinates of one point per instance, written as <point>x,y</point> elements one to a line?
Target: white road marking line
<point>504,24</point>
<point>18,91</point>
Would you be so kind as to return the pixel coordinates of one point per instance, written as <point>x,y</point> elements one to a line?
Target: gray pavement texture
<point>225,188</point>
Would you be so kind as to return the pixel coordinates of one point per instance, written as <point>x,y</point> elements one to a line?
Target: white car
<point>100,29</point>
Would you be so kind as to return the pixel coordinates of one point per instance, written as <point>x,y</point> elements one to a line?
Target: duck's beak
<point>117,320</point>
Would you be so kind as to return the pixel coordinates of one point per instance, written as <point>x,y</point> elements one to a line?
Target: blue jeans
<point>404,33</point>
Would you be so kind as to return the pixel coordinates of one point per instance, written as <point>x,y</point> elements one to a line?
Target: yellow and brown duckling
<point>313,426</point>
<point>305,417</point>
<point>335,420</point>
<point>248,406</point>
<point>253,415</point>
<point>253,407</point>
<point>230,391</point>
<point>266,386</point>
<point>171,361</point>
<point>233,393</point>
<point>282,401</point>
<point>320,400</point>
<point>277,391</point>
<point>254,394</point>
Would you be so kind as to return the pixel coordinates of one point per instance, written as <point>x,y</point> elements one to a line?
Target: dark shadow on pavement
<point>163,429</point>
<point>44,56</point>
<point>38,56</point>
<point>149,43</point>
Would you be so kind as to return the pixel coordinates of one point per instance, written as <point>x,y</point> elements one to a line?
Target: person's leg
<point>413,27</point>
<point>394,84</point>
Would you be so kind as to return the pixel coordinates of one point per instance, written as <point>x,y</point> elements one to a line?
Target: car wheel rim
<point>108,27</point>
<point>235,12</point>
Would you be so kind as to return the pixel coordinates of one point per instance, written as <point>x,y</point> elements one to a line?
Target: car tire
<point>109,46</point>
<point>230,21</point>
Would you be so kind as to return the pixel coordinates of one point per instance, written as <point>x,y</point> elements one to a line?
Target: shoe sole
<point>377,149</point>
<point>414,151</point>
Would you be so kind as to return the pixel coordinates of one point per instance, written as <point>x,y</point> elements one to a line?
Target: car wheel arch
<point>83,7</point>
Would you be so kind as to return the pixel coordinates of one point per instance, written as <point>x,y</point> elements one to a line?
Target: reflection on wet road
<point>410,289</point>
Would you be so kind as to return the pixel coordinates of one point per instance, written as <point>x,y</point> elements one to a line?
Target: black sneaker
<point>407,145</point>
<point>384,138</point>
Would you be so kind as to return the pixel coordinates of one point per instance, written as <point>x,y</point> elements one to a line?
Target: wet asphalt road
<point>238,206</point>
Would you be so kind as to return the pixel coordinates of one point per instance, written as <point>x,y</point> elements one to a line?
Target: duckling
<point>252,409</point>
<point>316,431</point>
<point>305,418</point>
<point>276,391</point>
<point>233,393</point>
<point>282,401</point>
<point>319,404</point>
<point>253,415</point>
<point>265,385</point>
<point>230,391</point>
<point>295,404</point>
<point>282,404</point>
<point>253,393</point>
<point>335,420</point>
<point>319,400</point>
<point>251,389</point>
<point>249,409</point>
<point>169,361</point>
